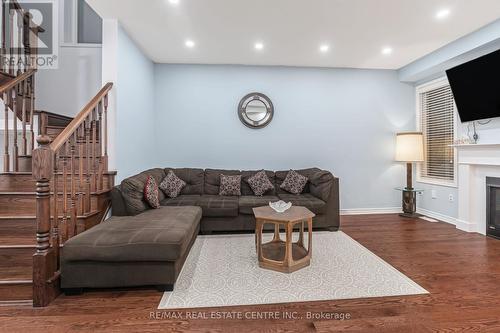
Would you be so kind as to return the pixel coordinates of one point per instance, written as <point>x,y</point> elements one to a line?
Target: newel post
<point>44,260</point>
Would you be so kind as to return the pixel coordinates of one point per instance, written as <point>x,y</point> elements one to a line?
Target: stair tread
<point>16,263</point>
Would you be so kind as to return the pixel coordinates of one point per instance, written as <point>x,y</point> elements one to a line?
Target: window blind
<point>437,124</point>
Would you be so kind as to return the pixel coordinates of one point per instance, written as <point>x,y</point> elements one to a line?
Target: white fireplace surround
<point>475,163</point>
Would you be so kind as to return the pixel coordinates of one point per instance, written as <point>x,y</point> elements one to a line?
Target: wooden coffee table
<point>278,255</point>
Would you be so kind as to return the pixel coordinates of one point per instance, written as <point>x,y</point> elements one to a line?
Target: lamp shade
<point>410,147</point>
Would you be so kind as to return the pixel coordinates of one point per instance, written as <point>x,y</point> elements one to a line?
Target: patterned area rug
<point>222,270</point>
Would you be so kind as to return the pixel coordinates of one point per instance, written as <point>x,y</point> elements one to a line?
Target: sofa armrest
<point>333,205</point>
<point>117,203</point>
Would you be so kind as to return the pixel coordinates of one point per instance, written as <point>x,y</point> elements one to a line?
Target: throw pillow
<point>294,182</point>
<point>172,185</point>
<point>151,192</point>
<point>260,183</point>
<point>230,185</point>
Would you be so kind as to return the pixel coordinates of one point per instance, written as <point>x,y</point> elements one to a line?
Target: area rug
<point>222,270</point>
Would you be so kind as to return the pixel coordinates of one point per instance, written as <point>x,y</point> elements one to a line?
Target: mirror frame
<point>242,110</point>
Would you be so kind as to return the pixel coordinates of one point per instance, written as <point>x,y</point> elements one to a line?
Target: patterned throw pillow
<point>230,185</point>
<point>294,182</point>
<point>172,185</point>
<point>151,192</point>
<point>260,183</point>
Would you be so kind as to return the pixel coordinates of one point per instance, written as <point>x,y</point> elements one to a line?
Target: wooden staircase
<point>52,187</point>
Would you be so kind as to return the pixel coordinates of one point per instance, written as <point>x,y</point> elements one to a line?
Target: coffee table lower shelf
<point>274,252</point>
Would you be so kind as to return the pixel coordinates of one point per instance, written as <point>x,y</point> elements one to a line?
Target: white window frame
<point>74,28</point>
<point>436,84</point>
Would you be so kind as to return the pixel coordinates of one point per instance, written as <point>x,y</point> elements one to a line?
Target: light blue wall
<point>434,65</point>
<point>343,120</point>
<point>135,118</point>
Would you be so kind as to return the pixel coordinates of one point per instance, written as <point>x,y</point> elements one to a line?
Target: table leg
<point>309,229</point>
<point>301,235</point>
<point>276,237</point>
<point>288,245</point>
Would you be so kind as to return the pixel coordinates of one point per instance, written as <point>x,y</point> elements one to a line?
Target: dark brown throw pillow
<point>260,183</point>
<point>294,182</point>
<point>172,185</point>
<point>151,192</point>
<point>230,185</point>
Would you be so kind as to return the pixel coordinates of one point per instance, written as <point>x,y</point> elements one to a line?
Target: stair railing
<point>19,99</point>
<point>67,171</point>
<point>18,51</point>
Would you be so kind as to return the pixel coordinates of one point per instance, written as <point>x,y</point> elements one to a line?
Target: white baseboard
<point>438,216</point>
<point>467,226</point>
<point>366,211</point>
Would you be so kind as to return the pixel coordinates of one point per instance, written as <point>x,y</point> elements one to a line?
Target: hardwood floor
<point>460,270</point>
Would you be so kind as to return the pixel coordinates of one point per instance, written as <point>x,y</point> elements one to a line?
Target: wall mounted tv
<point>476,87</point>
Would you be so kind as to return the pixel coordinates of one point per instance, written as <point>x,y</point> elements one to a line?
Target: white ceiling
<point>292,31</point>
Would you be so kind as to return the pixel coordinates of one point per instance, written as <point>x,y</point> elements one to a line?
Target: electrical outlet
<point>451,198</point>
<point>434,194</point>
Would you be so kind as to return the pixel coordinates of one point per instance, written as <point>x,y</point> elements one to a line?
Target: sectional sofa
<point>230,214</point>
<point>141,246</point>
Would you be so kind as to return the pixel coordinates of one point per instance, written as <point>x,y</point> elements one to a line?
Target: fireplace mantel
<point>475,163</point>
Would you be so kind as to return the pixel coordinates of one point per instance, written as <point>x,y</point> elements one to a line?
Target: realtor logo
<point>30,37</point>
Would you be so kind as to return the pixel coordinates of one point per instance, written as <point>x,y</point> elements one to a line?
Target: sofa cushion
<point>182,200</point>
<point>315,205</point>
<point>132,190</point>
<point>294,182</point>
<point>172,185</point>
<point>194,179</point>
<point>217,205</point>
<point>260,183</point>
<point>247,202</point>
<point>245,187</point>
<point>230,185</point>
<point>156,235</point>
<point>281,175</point>
<point>212,179</point>
<point>151,192</point>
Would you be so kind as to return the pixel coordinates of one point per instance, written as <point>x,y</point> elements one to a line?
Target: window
<point>82,25</point>
<point>437,120</point>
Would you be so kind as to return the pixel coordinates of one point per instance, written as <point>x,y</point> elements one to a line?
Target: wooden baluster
<point>74,215</point>
<point>56,235</point>
<point>89,168</point>
<point>11,41</point>
<point>32,111</point>
<point>6,155</point>
<point>3,54</point>
<point>81,152</point>
<point>94,146</point>
<point>105,134</point>
<point>64,220</point>
<point>44,264</point>
<point>19,41</point>
<point>22,95</point>
<point>99,146</point>
<point>15,149</point>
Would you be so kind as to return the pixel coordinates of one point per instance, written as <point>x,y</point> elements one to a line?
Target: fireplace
<point>493,207</point>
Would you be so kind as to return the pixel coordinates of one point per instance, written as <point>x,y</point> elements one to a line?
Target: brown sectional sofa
<point>141,246</point>
<point>230,214</point>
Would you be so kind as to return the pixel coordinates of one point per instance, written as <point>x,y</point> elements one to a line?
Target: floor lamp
<point>409,149</point>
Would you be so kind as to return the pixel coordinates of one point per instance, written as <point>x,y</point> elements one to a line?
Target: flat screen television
<point>476,87</point>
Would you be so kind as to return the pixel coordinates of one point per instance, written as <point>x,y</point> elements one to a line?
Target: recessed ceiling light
<point>259,46</point>
<point>173,2</point>
<point>387,50</point>
<point>324,48</point>
<point>443,13</point>
<point>189,43</point>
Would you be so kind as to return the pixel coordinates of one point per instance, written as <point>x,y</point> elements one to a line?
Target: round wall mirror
<point>255,110</point>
